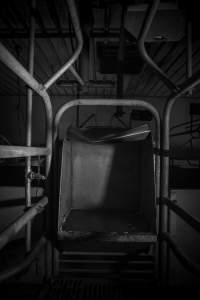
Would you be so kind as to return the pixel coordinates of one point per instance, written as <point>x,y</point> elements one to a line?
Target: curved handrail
<point>141,45</point>
<point>189,84</point>
<point>12,63</point>
<point>77,29</point>
<point>116,102</point>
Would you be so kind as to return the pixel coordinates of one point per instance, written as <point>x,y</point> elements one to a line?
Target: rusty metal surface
<point>106,226</point>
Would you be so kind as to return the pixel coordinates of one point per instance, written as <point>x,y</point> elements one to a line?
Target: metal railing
<point>189,84</point>
<point>27,152</point>
<point>141,45</point>
<point>165,204</point>
<point>17,151</point>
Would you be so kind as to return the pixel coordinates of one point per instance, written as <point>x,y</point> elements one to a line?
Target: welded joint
<point>35,176</point>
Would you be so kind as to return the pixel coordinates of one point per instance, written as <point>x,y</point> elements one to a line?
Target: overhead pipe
<point>12,63</point>
<point>153,7</point>
<point>17,225</point>
<point>44,34</point>
<point>77,29</point>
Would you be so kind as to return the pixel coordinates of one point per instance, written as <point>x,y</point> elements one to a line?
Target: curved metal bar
<point>185,261</point>
<point>77,29</point>
<point>184,215</point>
<point>141,45</point>
<point>189,84</point>
<point>12,63</point>
<point>25,263</point>
<point>117,102</point>
<point>17,225</point>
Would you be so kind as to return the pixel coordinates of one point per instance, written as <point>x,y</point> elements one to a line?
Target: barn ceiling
<point>55,42</point>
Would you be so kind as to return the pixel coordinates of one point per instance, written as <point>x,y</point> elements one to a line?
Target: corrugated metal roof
<point>51,53</point>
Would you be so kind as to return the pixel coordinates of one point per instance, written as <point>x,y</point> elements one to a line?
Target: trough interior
<point>107,187</point>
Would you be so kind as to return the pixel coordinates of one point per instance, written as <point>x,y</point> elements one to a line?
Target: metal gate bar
<point>176,92</point>
<point>17,151</point>
<point>141,45</point>
<point>17,225</point>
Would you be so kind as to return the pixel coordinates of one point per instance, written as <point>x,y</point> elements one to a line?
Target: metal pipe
<point>20,151</point>
<point>16,226</point>
<point>118,102</point>
<point>189,51</point>
<point>77,29</point>
<point>76,75</point>
<point>25,263</point>
<point>184,215</point>
<point>29,125</point>
<point>185,261</point>
<point>190,83</point>
<point>120,62</point>
<point>153,7</point>
<point>12,63</point>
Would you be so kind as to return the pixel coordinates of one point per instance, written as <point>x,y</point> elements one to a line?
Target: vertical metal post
<point>189,51</point>
<point>120,58</point>
<point>188,85</point>
<point>29,125</point>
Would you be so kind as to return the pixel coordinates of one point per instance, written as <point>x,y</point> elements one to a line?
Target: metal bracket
<point>35,176</point>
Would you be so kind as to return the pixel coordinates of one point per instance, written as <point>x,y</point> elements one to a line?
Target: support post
<point>190,83</point>
<point>29,125</point>
<point>189,52</point>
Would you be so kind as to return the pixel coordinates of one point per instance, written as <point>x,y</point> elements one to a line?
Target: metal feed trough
<point>107,190</point>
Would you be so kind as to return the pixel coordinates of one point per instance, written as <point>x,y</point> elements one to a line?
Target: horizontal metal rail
<point>20,151</point>
<point>17,225</point>
<point>146,237</point>
<point>185,261</point>
<point>25,263</point>
<point>12,63</point>
<point>77,29</point>
<point>184,215</point>
<point>141,45</point>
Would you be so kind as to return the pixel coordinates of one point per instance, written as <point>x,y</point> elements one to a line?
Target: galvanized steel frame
<point>17,151</point>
